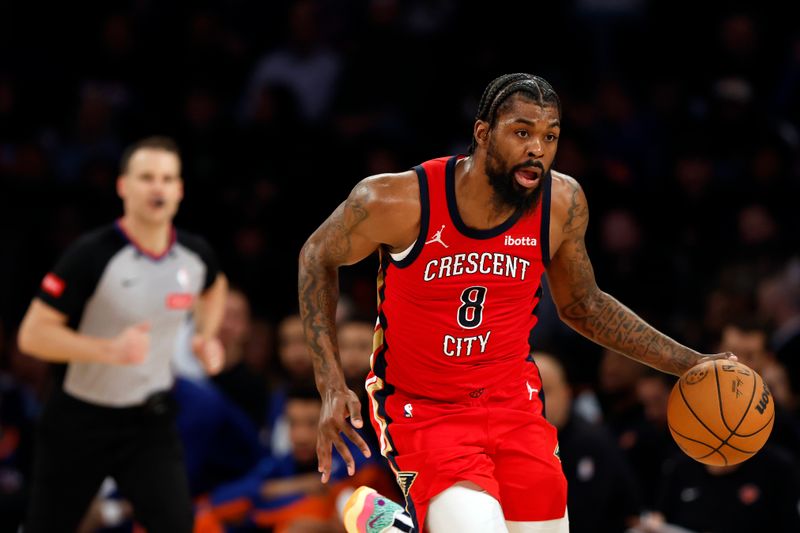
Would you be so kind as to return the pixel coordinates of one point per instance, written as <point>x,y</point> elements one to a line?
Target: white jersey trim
<point>399,256</point>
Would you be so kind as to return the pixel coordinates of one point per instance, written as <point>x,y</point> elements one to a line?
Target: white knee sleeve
<point>465,510</point>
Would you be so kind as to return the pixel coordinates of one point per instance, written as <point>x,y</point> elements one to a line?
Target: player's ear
<point>121,184</point>
<point>481,132</point>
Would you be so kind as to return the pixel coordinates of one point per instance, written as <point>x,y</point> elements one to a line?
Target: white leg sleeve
<point>559,525</point>
<point>465,510</point>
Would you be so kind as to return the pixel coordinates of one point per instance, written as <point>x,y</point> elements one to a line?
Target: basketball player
<point>463,243</point>
<point>111,310</point>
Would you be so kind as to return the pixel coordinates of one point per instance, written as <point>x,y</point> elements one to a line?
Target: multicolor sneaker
<point>366,511</point>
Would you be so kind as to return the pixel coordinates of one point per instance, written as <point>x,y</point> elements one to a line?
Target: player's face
<point>520,149</point>
<point>235,322</point>
<point>152,188</point>
<point>749,346</point>
<point>355,348</point>
<point>303,418</point>
<point>292,349</point>
<point>559,402</point>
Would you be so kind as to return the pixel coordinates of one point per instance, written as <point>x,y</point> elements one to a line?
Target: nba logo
<point>183,278</point>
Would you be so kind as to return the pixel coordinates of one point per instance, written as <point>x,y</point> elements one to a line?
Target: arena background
<point>680,121</point>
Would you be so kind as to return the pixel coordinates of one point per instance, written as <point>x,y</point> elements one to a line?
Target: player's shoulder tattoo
<point>573,202</point>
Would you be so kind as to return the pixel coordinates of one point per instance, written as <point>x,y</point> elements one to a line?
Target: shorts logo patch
<point>405,480</point>
<point>557,453</point>
<point>531,391</point>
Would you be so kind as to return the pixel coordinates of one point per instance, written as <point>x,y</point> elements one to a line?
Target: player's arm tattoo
<point>318,283</point>
<point>601,317</point>
<point>577,212</point>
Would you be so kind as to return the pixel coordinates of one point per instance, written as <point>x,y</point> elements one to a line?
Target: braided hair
<point>498,92</point>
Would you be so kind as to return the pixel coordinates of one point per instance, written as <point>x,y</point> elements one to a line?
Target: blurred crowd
<point>682,125</point>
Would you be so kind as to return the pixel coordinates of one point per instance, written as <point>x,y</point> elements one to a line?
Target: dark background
<point>681,121</point>
<point>681,126</point>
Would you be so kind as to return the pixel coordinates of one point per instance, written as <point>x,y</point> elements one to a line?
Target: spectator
<point>779,302</point>
<point>284,491</point>
<point>749,340</point>
<point>603,494</point>
<point>760,494</point>
<point>304,64</point>
<point>295,366</point>
<point>355,351</point>
<point>242,384</point>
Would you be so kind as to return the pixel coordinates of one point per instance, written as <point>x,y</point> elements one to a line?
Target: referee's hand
<point>210,352</point>
<point>131,346</point>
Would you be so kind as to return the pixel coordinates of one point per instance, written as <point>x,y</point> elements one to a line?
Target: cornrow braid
<point>503,87</point>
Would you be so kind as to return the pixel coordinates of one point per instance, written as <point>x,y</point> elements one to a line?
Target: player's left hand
<point>724,355</point>
<point>210,352</point>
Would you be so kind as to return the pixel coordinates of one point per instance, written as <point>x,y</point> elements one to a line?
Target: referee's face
<point>152,188</point>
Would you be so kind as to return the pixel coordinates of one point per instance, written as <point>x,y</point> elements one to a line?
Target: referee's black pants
<point>78,444</point>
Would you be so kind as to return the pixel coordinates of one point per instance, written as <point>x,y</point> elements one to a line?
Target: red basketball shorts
<point>495,438</point>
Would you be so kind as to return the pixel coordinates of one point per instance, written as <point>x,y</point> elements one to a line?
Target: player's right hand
<point>131,346</point>
<point>337,406</point>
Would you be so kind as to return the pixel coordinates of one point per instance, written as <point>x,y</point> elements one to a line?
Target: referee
<point>111,310</point>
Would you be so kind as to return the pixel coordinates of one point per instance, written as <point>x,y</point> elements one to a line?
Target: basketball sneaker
<point>366,511</point>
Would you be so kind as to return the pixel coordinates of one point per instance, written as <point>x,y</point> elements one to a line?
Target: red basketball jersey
<point>455,314</point>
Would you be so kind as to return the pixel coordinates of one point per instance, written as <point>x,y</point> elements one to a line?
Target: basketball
<point>720,412</point>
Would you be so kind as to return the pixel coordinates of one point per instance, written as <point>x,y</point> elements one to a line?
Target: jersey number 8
<point>470,314</point>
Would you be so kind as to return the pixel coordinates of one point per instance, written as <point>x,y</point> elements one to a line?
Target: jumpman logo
<point>531,390</point>
<point>437,237</point>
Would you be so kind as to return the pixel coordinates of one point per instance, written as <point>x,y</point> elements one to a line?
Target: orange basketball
<point>720,412</point>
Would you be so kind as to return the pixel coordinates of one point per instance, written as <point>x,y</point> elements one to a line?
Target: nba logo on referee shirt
<point>183,278</point>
